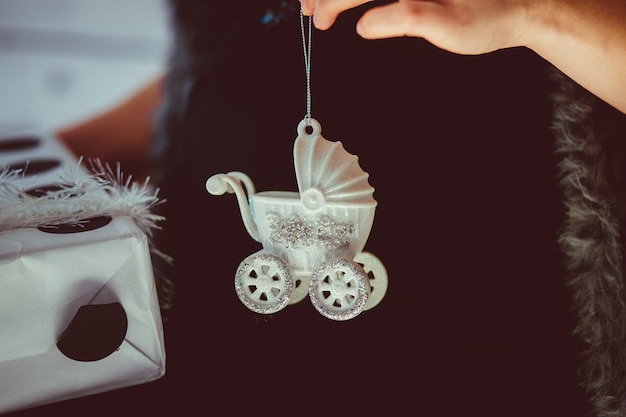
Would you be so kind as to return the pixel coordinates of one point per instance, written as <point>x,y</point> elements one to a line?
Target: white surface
<point>64,60</point>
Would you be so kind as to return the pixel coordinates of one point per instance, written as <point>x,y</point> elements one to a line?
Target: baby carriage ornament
<point>312,240</point>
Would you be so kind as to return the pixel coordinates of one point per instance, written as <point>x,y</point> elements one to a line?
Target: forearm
<point>121,132</point>
<point>587,41</point>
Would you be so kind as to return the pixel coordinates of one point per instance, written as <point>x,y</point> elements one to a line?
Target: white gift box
<point>79,311</point>
<point>44,279</point>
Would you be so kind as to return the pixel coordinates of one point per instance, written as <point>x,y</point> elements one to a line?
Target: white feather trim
<point>103,192</point>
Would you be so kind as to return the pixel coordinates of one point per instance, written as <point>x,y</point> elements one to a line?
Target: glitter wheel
<point>377,275</point>
<point>263,283</point>
<point>339,289</point>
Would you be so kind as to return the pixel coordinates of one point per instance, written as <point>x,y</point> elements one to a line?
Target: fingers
<point>308,6</point>
<point>401,18</point>
<point>466,27</point>
<point>325,12</point>
<point>405,18</point>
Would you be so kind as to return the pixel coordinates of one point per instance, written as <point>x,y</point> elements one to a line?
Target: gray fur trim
<point>591,168</point>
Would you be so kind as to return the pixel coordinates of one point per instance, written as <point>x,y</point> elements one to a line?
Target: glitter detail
<point>322,233</point>
<point>263,283</point>
<point>339,289</point>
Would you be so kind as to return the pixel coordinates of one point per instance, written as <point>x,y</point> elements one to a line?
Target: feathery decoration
<point>102,192</point>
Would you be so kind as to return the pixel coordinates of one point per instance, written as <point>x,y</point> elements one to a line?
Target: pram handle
<point>240,184</point>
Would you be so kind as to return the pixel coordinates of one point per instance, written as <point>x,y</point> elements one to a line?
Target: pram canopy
<point>326,167</point>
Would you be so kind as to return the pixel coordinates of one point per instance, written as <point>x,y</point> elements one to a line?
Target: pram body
<point>312,240</point>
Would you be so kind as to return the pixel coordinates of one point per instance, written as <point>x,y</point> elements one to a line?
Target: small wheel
<point>339,289</point>
<point>377,277</point>
<point>300,288</point>
<point>263,283</point>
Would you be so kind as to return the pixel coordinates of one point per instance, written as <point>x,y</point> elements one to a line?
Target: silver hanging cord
<point>306,47</point>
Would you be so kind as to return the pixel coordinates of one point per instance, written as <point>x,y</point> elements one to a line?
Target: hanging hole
<point>18,143</point>
<point>95,332</point>
<point>309,127</point>
<point>43,190</point>
<point>35,167</point>
<point>86,225</point>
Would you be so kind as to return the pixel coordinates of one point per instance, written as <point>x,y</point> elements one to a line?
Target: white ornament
<point>313,239</point>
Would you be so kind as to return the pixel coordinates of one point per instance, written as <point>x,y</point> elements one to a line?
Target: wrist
<point>543,22</point>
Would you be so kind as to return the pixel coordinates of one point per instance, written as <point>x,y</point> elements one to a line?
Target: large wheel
<point>377,275</point>
<point>339,289</point>
<point>263,283</point>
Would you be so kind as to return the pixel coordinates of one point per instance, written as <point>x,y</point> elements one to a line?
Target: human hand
<point>460,26</point>
<point>584,39</point>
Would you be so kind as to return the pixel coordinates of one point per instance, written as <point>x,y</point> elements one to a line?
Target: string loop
<point>306,47</point>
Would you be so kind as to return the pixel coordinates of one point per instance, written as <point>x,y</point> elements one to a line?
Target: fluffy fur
<point>102,193</point>
<point>590,139</point>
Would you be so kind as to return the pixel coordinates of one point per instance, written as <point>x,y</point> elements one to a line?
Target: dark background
<point>476,319</point>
